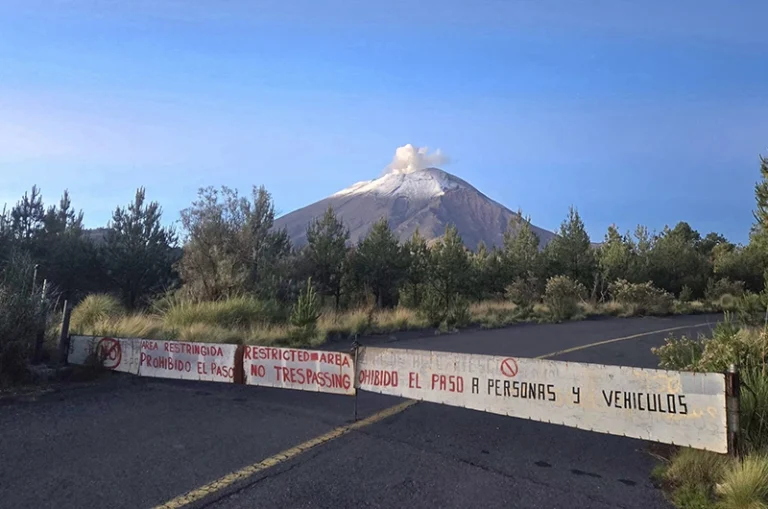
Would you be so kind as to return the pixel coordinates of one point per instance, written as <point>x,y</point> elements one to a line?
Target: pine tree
<point>326,252</point>
<point>614,256</point>
<point>571,253</point>
<point>449,275</point>
<point>522,258</point>
<point>416,255</point>
<point>380,262</point>
<point>139,251</point>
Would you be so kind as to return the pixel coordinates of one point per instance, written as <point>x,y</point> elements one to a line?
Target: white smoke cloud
<point>409,159</point>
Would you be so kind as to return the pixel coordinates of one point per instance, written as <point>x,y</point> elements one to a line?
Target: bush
<point>679,354</point>
<point>458,313</point>
<point>754,407</point>
<point>305,314</point>
<point>643,298</point>
<point>433,308</point>
<point>524,291</point>
<point>692,467</point>
<point>23,312</point>
<point>232,312</point>
<point>562,295</point>
<point>724,286</point>
<point>97,307</point>
<point>752,308</point>
<point>686,294</point>
<point>745,484</point>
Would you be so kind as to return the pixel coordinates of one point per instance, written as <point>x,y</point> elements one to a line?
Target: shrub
<point>433,308</point>
<point>643,298</point>
<point>305,314</point>
<point>232,312</point>
<point>23,312</point>
<point>458,313</point>
<point>752,308</point>
<point>754,407</point>
<point>97,307</point>
<point>524,291</point>
<point>680,354</point>
<point>562,295</point>
<point>692,467</point>
<point>745,484</point>
<point>686,294</point>
<point>724,286</point>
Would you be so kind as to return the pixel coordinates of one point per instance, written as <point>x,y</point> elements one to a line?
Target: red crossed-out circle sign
<point>108,351</point>
<point>509,367</point>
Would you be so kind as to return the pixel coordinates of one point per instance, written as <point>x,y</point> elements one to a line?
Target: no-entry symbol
<point>509,367</point>
<point>109,353</point>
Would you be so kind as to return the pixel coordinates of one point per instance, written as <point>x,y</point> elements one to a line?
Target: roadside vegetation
<point>230,276</point>
<point>700,479</point>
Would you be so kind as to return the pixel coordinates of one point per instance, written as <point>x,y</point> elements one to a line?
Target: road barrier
<point>306,370</point>
<point>680,408</point>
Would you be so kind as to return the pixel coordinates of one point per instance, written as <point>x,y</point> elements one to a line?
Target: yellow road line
<point>615,340</point>
<point>282,457</point>
<point>250,470</point>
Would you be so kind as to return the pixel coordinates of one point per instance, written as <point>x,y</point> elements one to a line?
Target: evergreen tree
<point>675,261</point>
<point>326,252</point>
<point>416,255</point>
<point>232,247</point>
<point>139,251</point>
<point>449,274</point>
<point>379,263</point>
<point>522,258</point>
<point>759,232</point>
<point>571,253</point>
<point>615,256</point>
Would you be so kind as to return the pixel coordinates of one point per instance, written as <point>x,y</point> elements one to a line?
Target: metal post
<point>355,350</point>
<point>733,399</point>
<point>64,336</point>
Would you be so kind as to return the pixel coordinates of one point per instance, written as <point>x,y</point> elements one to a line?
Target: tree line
<point>228,247</point>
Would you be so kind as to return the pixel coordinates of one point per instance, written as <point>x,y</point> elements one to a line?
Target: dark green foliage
<point>521,255</point>
<point>570,253</point>
<point>380,264</point>
<point>562,295</point>
<point>417,262</point>
<point>326,253</point>
<point>450,275</point>
<point>232,247</point>
<point>305,313</point>
<point>675,261</point>
<point>23,312</point>
<point>139,252</point>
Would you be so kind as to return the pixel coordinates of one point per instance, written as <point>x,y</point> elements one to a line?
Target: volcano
<point>427,199</point>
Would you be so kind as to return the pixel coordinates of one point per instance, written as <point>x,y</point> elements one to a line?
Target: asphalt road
<point>125,442</point>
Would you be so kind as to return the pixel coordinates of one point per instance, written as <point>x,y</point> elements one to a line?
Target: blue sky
<point>636,112</point>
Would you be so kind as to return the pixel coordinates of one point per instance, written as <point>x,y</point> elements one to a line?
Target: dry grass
<point>494,314</point>
<point>94,308</point>
<point>745,484</point>
<point>692,467</point>
<point>398,319</point>
<point>249,320</point>
<point>129,326</point>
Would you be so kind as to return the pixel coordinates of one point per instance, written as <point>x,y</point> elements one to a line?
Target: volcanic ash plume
<point>409,159</point>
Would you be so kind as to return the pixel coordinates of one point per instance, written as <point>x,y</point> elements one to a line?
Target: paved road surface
<point>127,442</point>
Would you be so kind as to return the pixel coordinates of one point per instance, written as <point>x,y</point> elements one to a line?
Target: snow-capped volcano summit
<point>418,185</point>
<point>410,197</point>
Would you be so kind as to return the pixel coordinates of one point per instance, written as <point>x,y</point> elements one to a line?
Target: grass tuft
<point>692,467</point>
<point>233,312</point>
<point>95,308</point>
<point>745,484</point>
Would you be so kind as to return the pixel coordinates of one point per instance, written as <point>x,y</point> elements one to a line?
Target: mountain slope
<point>428,199</point>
